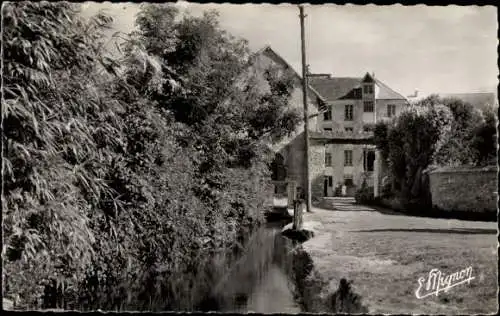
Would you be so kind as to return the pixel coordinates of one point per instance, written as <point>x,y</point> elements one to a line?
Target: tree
<point>223,123</point>
<point>435,132</point>
<point>484,141</point>
<point>52,116</point>
<point>458,149</point>
<point>410,144</point>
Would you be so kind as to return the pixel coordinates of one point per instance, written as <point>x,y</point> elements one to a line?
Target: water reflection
<point>258,281</point>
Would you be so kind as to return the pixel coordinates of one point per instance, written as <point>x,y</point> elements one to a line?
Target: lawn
<point>385,255</point>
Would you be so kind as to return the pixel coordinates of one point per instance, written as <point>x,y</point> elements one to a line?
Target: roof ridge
<point>268,47</point>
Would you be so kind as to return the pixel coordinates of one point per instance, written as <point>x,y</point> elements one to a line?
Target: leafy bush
<point>386,190</point>
<point>484,141</point>
<point>411,142</point>
<point>369,127</point>
<point>458,148</point>
<point>365,194</point>
<point>434,131</point>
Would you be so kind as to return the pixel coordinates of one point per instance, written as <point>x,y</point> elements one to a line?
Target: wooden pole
<point>306,111</point>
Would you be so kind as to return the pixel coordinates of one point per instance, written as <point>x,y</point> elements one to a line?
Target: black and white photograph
<point>249,158</point>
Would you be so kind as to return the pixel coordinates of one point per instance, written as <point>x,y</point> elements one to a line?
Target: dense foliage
<point>364,195</point>
<point>434,132</point>
<point>129,180</point>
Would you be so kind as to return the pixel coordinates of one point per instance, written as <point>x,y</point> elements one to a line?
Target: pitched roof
<point>386,93</point>
<point>268,50</point>
<point>334,88</point>
<point>337,88</point>
<point>328,88</point>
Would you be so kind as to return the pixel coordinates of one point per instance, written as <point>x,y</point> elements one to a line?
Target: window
<point>327,129</point>
<point>391,110</point>
<point>348,180</point>
<point>327,116</point>
<point>368,89</point>
<point>368,106</point>
<point>349,129</point>
<point>329,182</point>
<point>328,159</point>
<point>348,112</point>
<point>368,160</point>
<point>357,93</point>
<point>348,158</point>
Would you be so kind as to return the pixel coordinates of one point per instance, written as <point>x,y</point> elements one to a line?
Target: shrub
<point>410,144</point>
<point>364,195</point>
<point>386,190</point>
<point>369,127</point>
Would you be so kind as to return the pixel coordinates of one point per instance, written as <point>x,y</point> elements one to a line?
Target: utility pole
<point>306,110</point>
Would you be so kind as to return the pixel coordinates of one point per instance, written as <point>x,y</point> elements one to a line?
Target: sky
<point>447,49</point>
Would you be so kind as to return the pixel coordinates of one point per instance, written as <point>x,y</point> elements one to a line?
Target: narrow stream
<point>273,294</point>
<point>259,282</point>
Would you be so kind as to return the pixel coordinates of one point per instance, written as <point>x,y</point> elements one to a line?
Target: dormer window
<point>327,115</point>
<point>368,89</point>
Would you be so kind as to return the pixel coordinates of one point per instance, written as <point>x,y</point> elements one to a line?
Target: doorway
<point>278,168</point>
<point>328,186</point>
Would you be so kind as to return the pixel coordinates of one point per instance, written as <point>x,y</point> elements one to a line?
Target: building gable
<point>278,60</point>
<point>336,88</point>
<point>368,79</point>
<point>349,88</point>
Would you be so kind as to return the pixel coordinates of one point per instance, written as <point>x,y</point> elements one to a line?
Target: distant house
<point>345,130</point>
<point>342,115</point>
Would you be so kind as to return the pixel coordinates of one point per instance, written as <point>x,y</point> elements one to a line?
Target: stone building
<point>346,131</point>
<point>342,116</point>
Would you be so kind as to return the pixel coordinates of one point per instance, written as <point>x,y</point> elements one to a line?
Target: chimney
<point>373,75</point>
<point>414,95</point>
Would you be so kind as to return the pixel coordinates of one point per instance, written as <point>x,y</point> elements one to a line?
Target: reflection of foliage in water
<point>265,247</point>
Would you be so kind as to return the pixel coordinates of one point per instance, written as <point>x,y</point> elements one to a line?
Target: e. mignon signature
<point>439,282</point>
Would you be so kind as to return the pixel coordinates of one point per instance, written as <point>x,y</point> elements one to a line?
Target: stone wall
<point>294,156</point>
<point>293,153</point>
<point>464,189</point>
<point>317,167</point>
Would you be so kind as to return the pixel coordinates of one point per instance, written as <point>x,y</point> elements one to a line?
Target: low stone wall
<point>464,189</point>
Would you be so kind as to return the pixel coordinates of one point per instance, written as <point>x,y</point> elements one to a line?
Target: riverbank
<point>385,255</point>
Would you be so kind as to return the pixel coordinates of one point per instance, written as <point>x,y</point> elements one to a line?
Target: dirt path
<point>386,254</point>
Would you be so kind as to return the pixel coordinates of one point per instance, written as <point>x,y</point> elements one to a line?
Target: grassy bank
<point>384,255</point>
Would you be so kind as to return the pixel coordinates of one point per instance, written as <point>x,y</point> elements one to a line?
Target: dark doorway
<point>369,160</point>
<point>328,186</point>
<point>278,168</point>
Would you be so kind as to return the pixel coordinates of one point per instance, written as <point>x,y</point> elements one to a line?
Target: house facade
<point>345,130</point>
<point>342,114</point>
